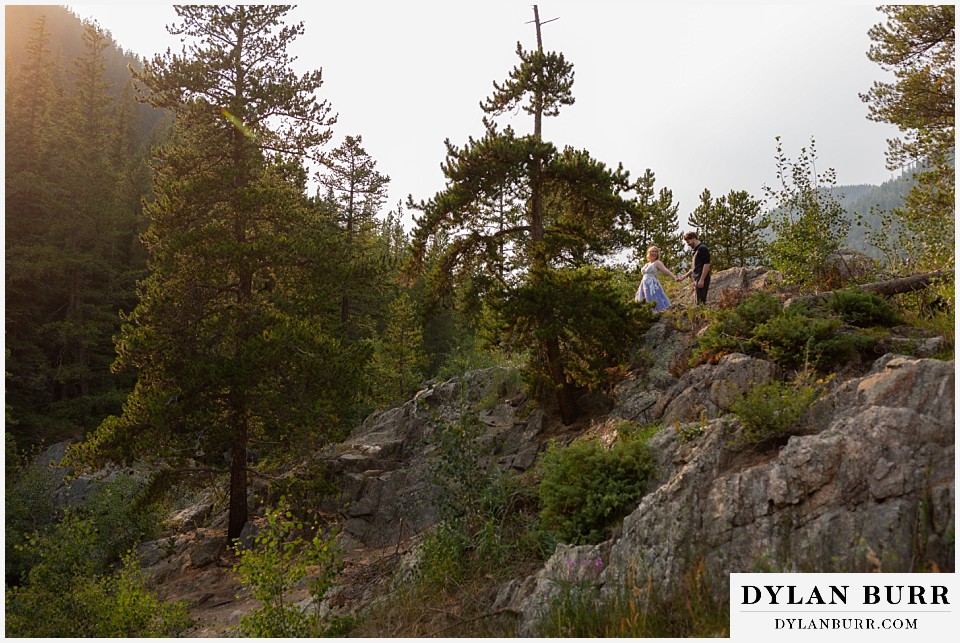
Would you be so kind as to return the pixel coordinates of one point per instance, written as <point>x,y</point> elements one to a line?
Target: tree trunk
<point>238,481</point>
<point>904,284</point>
<point>884,288</point>
<point>566,392</point>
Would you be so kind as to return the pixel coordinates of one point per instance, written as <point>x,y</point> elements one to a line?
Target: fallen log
<point>902,285</point>
<point>882,288</point>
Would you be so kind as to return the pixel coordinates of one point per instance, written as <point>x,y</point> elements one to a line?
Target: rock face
<point>866,484</point>
<point>870,488</point>
<point>733,280</point>
<point>708,391</point>
<point>383,468</point>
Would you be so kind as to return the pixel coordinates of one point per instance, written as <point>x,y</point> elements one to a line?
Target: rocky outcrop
<point>383,469</point>
<point>868,487</point>
<point>709,390</point>
<point>726,283</point>
<point>865,485</point>
<point>72,489</point>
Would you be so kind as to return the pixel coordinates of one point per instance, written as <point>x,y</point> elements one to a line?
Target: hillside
<point>862,481</point>
<point>65,30</point>
<point>870,202</point>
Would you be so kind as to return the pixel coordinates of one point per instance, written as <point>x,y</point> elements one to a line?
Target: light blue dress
<point>650,288</point>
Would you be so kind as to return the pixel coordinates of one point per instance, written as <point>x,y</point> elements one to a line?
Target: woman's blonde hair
<point>652,249</point>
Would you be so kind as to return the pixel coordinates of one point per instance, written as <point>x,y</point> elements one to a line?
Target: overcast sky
<point>696,93</point>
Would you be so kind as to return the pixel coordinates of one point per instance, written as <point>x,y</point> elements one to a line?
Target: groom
<point>701,266</point>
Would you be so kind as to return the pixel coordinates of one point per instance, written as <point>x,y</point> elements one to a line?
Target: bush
<point>487,516</point>
<point>29,510</point>
<point>802,334</point>
<point>64,596</point>
<point>305,488</point>
<point>770,410</point>
<point>587,486</point>
<point>795,339</point>
<point>119,517</point>
<point>278,562</point>
<point>734,329</point>
<point>122,519</point>
<point>862,309</point>
<point>66,563</point>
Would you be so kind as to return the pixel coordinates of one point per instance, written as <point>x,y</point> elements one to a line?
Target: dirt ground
<point>217,601</point>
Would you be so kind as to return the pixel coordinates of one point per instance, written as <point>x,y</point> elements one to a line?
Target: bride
<point>650,288</point>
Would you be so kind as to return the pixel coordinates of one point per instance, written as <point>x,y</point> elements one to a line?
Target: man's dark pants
<point>701,292</point>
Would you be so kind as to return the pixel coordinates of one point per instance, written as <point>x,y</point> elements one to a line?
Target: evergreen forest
<point>203,275</point>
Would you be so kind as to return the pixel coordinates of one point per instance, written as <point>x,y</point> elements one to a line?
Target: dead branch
<point>886,288</point>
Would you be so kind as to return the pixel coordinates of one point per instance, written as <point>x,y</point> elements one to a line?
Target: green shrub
<point>64,596</point>
<point>862,309</point>
<point>795,339</point>
<point>770,409</point>
<point>122,517</point>
<point>305,489</point>
<point>688,432</point>
<point>799,335</point>
<point>119,518</point>
<point>29,510</point>
<point>735,327</point>
<point>280,560</point>
<point>488,522</point>
<point>587,486</point>
<point>65,563</point>
<point>757,308</point>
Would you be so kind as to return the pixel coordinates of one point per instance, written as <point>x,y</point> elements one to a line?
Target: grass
<point>636,610</point>
<point>416,610</point>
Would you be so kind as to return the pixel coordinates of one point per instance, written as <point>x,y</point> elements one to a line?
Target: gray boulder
<point>709,390</point>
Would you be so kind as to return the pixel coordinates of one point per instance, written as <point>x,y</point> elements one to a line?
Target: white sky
<point>696,93</point>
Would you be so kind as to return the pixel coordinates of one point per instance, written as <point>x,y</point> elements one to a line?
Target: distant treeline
<point>869,201</point>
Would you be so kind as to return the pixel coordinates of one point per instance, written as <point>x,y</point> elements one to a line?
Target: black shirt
<point>701,256</point>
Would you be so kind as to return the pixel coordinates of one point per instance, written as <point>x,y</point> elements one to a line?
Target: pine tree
<point>528,219</point>
<point>225,337</point>
<point>708,220</point>
<point>654,221</point>
<point>918,44</point>
<point>70,234</point>
<point>358,191</point>
<point>746,229</point>
<point>89,291</point>
<point>731,226</point>
<point>31,200</point>
<point>399,360</point>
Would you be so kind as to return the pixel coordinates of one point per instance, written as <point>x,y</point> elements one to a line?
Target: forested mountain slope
<point>77,150</point>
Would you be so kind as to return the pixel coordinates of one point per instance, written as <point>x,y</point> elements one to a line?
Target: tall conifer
<point>359,191</point>
<point>532,219</point>
<point>654,220</point>
<point>730,225</point>
<point>225,338</point>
